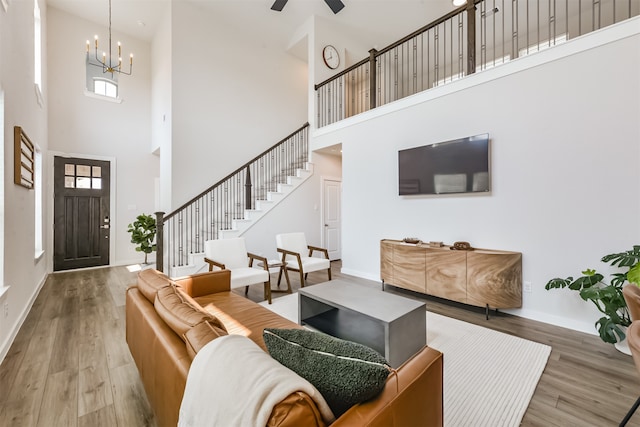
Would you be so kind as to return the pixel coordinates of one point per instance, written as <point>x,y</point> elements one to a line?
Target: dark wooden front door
<point>81,213</point>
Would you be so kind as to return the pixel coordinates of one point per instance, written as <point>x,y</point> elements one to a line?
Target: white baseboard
<point>133,261</point>
<point>6,345</point>
<point>563,322</point>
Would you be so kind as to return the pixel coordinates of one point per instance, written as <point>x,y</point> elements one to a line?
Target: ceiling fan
<point>335,5</point>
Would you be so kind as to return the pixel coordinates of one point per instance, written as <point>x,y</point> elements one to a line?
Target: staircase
<point>233,205</point>
<point>195,261</point>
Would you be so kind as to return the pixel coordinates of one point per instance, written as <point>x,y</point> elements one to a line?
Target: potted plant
<point>608,298</point>
<point>143,232</point>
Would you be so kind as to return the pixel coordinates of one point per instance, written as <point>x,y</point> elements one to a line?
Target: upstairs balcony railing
<point>184,231</point>
<point>471,38</point>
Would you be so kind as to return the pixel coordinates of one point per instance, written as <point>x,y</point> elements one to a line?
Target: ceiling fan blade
<point>279,5</point>
<point>335,5</point>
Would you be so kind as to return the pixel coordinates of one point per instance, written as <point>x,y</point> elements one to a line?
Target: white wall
<point>232,98</point>
<point>22,272</point>
<point>86,126</point>
<point>565,139</point>
<point>161,111</point>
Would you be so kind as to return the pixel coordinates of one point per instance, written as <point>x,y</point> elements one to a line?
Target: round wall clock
<point>331,57</point>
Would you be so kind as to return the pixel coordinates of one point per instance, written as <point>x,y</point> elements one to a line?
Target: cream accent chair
<point>231,254</point>
<point>298,256</point>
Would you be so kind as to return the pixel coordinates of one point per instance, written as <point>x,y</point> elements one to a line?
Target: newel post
<point>372,79</point>
<point>160,241</point>
<point>247,190</point>
<point>471,37</point>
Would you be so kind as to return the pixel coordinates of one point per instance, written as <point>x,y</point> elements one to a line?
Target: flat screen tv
<point>458,166</point>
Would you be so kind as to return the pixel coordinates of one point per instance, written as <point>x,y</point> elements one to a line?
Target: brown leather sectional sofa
<point>412,397</point>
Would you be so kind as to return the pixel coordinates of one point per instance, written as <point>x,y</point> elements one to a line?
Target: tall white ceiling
<point>383,21</point>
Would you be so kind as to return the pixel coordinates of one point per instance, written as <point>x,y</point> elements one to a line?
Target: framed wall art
<point>24,154</point>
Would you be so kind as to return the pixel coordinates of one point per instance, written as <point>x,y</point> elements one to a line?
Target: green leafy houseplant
<point>607,298</point>
<point>143,232</point>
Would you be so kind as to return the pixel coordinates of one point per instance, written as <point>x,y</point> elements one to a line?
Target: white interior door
<point>331,216</point>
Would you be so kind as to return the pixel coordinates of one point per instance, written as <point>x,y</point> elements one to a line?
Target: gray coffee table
<point>394,326</point>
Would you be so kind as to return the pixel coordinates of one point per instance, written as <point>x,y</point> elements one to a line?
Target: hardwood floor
<point>70,364</point>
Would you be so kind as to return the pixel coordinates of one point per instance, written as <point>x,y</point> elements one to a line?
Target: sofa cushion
<point>201,335</point>
<point>344,372</point>
<point>150,281</point>
<point>179,312</point>
<point>241,316</point>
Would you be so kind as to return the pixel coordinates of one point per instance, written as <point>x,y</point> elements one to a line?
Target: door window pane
<point>82,182</point>
<point>69,169</point>
<point>96,171</point>
<point>83,170</point>
<point>96,183</point>
<point>69,182</point>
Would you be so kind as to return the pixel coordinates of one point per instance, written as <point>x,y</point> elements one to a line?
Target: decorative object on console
<point>609,299</point>
<point>461,246</point>
<point>412,240</point>
<point>344,372</point>
<point>436,244</point>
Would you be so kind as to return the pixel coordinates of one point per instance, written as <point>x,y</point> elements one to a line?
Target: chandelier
<point>109,66</point>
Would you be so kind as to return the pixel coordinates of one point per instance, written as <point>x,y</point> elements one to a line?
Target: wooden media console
<point>479,277</point>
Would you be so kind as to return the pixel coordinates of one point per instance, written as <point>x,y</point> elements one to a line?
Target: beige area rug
<point>489,377</point>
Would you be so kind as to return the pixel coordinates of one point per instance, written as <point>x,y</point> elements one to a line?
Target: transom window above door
<point>82,176</point>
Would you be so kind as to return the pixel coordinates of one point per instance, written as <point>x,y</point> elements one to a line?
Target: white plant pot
<point>623,346</point>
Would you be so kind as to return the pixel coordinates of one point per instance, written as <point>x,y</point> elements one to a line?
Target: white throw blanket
<point>233,382</point>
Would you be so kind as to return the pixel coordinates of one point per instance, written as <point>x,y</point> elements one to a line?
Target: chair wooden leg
<point>329,272</point>
<point>267,291</point>
<point>302,276</point>
<point>280,275</point>
<point>630,413</point>
<point>286,276</point>
<point>246,290</point>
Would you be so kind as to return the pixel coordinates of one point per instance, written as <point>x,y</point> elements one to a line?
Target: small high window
<point>3,288</point>
<point>37,51</point>
<point>39,243</point>
<point>103,84</point>
<point>105,88</point>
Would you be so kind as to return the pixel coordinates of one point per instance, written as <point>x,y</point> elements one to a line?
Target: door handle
<point>105,226</point>
<point>326,225</point>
